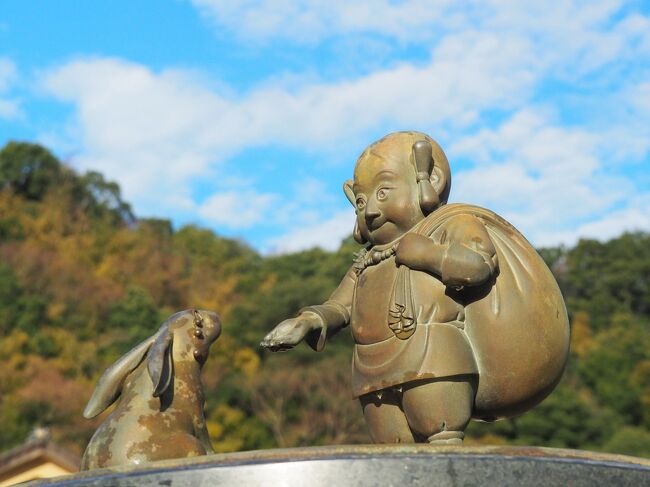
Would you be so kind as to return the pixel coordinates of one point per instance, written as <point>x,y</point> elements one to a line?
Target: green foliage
<point>19,310</point>
<point>9,290</point>
<point>607,278</point>
<point>630,441</point>
<point>29,169</point>
<point>100,198</point>
<point>607,369</point>
<point>553,256</point>
<point>32,313</point>
<point>16,422</point>
<point>227,255</point>
<point>82,281</point>
<point>10,228</point>
<point>131,319</point>
<point>565,420</point>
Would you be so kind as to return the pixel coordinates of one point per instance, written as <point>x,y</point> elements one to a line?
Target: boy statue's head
<point>398,180</point>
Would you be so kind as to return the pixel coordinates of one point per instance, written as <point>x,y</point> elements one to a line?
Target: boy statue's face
<point>386,198</point>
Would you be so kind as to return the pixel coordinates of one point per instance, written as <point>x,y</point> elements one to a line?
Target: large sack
<point>517,324</point>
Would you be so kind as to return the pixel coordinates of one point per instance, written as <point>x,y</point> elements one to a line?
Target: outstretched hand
<point>291,332</point>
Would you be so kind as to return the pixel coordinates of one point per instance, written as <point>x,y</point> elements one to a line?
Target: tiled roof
<point>36,447</point>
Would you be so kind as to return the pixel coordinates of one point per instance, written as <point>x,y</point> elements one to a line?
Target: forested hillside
<point>82,280</point>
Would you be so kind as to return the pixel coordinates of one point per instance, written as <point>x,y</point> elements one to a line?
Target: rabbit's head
<point>183,337</point>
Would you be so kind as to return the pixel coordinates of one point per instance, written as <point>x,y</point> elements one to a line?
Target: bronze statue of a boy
<point>453,313</point>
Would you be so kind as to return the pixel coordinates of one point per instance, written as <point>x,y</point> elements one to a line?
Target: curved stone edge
<point>355,451</point>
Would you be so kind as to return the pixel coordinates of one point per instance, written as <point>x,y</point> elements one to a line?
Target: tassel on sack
<point>401,315</point>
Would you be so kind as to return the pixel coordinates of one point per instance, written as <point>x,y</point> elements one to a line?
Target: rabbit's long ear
<point>110,384</point>
<point>159,363</point>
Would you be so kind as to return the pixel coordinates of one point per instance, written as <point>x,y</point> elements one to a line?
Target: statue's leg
<point>439,410</point>
<point>385,418</point>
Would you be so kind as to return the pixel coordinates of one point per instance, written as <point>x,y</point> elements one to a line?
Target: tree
<point>100,197</point>
<point>9,291</point>
<point>29,169</point>
<point>132,319</point>
<point>608,367</point>
<point>608,278</point>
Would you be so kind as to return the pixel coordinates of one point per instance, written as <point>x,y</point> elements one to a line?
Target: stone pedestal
<point>385,465</point>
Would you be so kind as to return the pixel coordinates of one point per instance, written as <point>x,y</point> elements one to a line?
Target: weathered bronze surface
<point>371,465</point>
<point>453,313</point>
<point>160,410</point>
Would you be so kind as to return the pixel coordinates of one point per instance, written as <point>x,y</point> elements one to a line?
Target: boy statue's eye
<point>382,194</point>
<point>361,203</point>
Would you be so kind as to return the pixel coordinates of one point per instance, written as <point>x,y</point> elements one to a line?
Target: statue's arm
<point>465,256</point>
<point>470,258</point>
<point>314,323</point>
<point>334,313</point>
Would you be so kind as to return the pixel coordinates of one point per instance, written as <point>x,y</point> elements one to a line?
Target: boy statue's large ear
<point>349,194</point>
<point>425,172</point>
<point>159,363</point>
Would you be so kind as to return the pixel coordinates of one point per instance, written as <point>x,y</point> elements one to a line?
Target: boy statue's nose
<point>371,210</point>
<point>372,213</point>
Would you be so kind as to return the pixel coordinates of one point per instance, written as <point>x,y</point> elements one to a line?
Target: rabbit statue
<point>159,414</point>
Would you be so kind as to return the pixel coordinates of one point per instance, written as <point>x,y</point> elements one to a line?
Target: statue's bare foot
<point>447,438</point>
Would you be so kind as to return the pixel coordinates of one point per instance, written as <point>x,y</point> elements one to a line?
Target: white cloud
<point>312,20</point>
<point>236,209</point>
<point>641,97</point>
<point>151,132</point>
<point>156,132</point>
<point>542,177</point>
<point>325,234</point>
<point>9,108</point>
<point>604,227</point>
<point>7,73</point>
<point>570,30</point>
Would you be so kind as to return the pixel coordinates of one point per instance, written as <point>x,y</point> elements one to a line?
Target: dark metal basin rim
<point>366,465</point>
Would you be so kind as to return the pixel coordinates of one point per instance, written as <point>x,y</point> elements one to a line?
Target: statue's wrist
<point>317,333</point>
<point>314,319</point>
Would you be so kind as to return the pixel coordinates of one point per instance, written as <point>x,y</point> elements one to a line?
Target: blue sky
<point>247,116</point>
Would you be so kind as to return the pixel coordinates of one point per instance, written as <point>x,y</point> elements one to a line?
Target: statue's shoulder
<point>464,212</point>
<point>460,221</point>
<point>459,215</point>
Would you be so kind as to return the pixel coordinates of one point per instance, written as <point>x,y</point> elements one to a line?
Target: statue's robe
<point>438,346</point>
